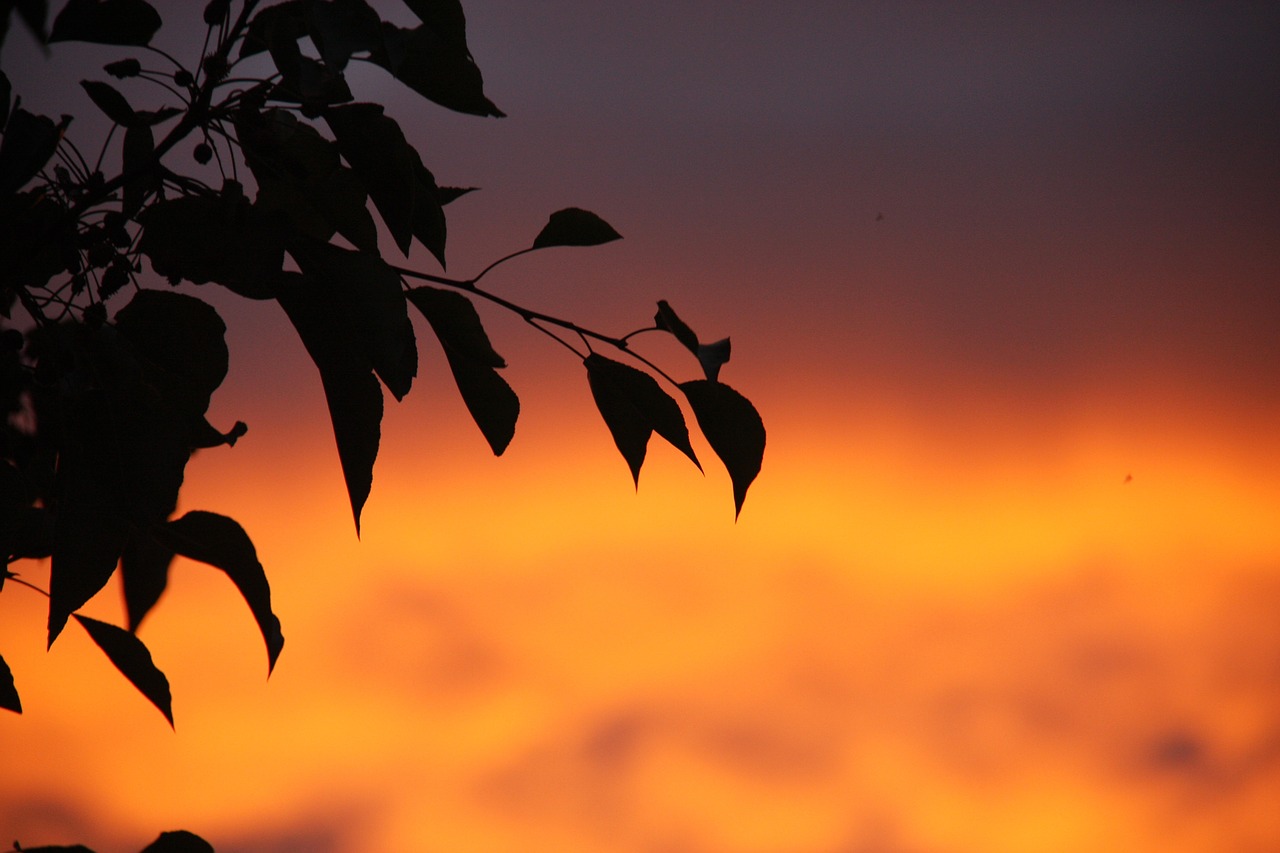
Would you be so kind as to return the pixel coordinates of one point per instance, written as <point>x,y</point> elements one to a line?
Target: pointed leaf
<point>133,660</point>
<point>9,699</point>
<point>138,152</point>
<point>437,65</point>
<point>341,28</point>
<point>178,841</point>
<point>639,393</point>
<point>376,148</point>
<point>454,319</point>
<point>88,540</point>
<point>144,570</point>
<point>493,405</point>
<point>630,430</point>
<point>350,387</point>
<point>575,227</point>
<point>732,427</point>
<point>125,22</point>
<point>450,194</point>
<point>221,542</point>
<point>667,320</point>
<point>110,101</point>
<point>361,290</point>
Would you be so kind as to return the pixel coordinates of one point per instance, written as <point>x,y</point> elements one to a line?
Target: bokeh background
<point>1003,280</point>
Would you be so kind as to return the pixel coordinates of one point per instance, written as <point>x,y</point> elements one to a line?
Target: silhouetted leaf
<point>436,66</point>
<point>178,841</point>
<point>183,339</point>
<point>392,172</point>
<point>138,152</point>
<point>221,238</point>
<point>732,427</point>
<point>667,320</point>
<point>301,177</point>
<point>449,194</point>
<point>29,142</point>
<point>123,68</point>
<point>710,356</point>
<point>110,101</point>
<point>33,14</point>
<point>633,406</point>
<point>274,24</point>
<point>350,388</point>
<point>144,570</point>
<point>362,291</point>
<point>133,660</point>
<point>89,536</point>
<point>9,699</point>
<point>221,542</point>
<point>125,22</point>
<point>340,28</point>
<point>444,17</point>
<point>454,319</point>
<point>575,227</point>
<point>493,405</point>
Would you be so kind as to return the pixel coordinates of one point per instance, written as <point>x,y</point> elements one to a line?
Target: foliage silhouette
<point>108,375</point>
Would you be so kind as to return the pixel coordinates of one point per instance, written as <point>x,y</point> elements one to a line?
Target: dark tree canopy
<point>107,372</point>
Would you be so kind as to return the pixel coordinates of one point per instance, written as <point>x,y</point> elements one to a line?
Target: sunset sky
<point>1003,281</point>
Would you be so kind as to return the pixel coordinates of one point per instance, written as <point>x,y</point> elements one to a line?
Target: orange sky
<point>944,622</point>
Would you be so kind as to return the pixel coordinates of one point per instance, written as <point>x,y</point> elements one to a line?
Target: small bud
<point>202,153</point>
<point>123,68</point>
<point>183,78</point>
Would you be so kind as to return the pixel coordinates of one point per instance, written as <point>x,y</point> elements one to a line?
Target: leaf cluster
<point>108,378</point>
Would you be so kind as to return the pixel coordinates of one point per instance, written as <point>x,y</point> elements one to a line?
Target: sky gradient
<point>982,264</point>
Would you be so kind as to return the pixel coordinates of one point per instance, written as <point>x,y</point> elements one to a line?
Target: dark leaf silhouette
<point>634,406</point>
<point>33,13</point>
<point>574,226</point>
<point>144,570</point>
<point>350,388</point>
<point>182,339</point>
<point>710,356</point>
<point>221,238</point>
<point>133,660</point>
<point>123,68</point>
<point>402,189</point>
<point>139,154</point>
<point>362,291</point>
<point>300,177</point>
<point>124,22</point>
<point>221,542</point>
<point>110,101</point>
<point>437,65</point>
<point>274,24</point>
<point>8,691</point>
<point>667,320</point>
<point>732,427</point>
<point>89,538</point>
<point>341,28</point>
<point>29,142</point>
<point>493,405</point>
<point>178,841</point>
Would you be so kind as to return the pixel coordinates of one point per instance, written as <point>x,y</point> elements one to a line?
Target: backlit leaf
<point>633,405</point>
<point>376,148</point>
<point>437,66</point>
<point>667,320</point>
<point>125,22</point>
<point>713,356</point>
<point>732,427</point>
<point>178,841</point>
<point>9,699</point>
<point>360,290</point>
<point>133,660</point>
<point>110,101</point>
<point>341,28</point>
<point>492,403</point>
<point>274,24</point>
<point>182,338</point>
<point>221,542</point>
<point>29,142</point>
<point>89,536</point>
<point>138,152</point>
<point>144,570</point>
<point>574,226</point>
<point>350,387</point>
